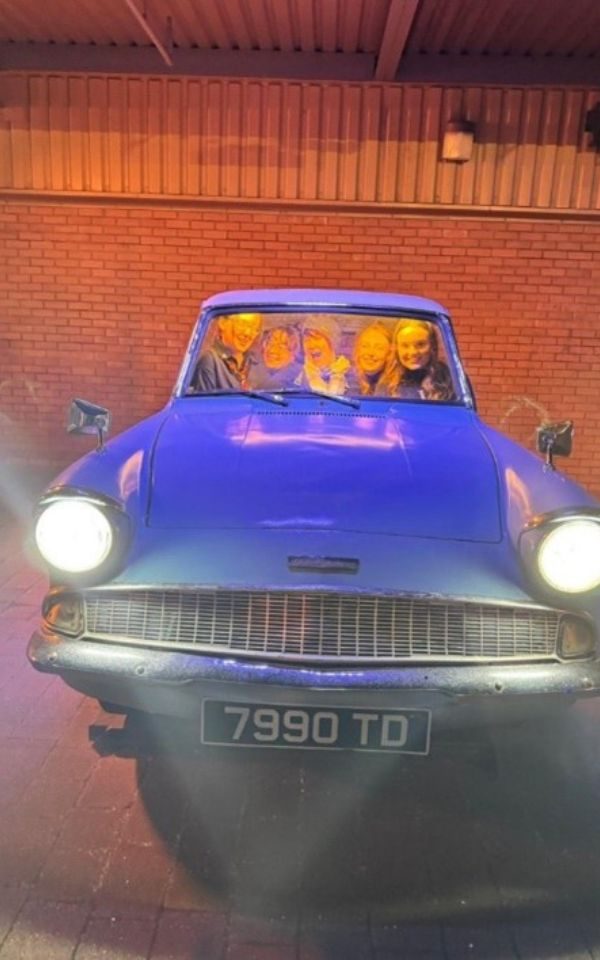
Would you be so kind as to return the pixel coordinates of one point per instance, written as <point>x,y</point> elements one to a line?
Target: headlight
<point>568,557</point>
<point>73,535</point>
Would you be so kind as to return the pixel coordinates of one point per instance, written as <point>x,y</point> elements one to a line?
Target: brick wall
<point>99,301</point>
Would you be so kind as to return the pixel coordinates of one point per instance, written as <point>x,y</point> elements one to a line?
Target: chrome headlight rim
<point>552,517</point>
<point>120,530</point>
<point>534,541</point>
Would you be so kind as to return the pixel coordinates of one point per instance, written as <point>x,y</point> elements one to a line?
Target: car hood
<point>406,471</point>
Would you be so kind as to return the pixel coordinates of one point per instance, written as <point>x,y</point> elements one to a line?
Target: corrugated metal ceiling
<point>537,28</point>
<point>303,25</point>
<point>507,27</point>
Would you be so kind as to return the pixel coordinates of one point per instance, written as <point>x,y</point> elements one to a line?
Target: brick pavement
<point>488,849</point>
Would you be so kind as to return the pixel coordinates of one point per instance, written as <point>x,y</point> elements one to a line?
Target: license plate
<point>315,728</point>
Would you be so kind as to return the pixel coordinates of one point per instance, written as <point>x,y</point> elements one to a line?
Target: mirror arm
<point>101,424</point>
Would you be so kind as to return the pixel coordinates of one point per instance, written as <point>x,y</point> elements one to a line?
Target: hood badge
<point>323,564</point>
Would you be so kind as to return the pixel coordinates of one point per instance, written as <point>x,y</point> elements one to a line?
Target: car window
<point>358,355</point>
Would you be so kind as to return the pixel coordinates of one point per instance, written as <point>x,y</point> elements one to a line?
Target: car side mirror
<point>88,418</point>
<point>555,439</point>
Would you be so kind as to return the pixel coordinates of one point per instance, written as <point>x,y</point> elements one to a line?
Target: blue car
<point>317,543</point>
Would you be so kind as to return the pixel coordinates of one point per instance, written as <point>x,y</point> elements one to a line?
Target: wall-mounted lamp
<point>459,137</point>
<point>592,124</point>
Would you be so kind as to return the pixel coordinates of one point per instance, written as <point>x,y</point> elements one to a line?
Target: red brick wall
<point>99,301</point>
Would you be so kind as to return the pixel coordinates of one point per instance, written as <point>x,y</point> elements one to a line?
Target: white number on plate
<point>267,723</point>
<point>243,713</point>
<point>298,726</point>
<point>325,727</point>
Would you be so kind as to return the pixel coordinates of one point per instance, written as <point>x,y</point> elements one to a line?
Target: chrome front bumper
<point>174,683</point>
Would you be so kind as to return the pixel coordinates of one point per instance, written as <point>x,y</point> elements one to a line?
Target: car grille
<point>340,628</point>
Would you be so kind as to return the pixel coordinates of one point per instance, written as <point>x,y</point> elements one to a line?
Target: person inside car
<point>415,371</point>
<point>322,369</point>
<point>372,351</point>
<point>226,364</point>
<point>278,366</point>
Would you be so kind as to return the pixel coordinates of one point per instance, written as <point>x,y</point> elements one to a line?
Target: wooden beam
<point>151,30</point>
<point>87,58</point>
<point>400,18</point>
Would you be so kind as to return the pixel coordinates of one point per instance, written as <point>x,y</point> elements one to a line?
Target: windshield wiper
<point>257,394</point>
<point>307,392</point>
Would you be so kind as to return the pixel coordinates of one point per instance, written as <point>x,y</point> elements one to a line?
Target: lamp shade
<point>457,144</point>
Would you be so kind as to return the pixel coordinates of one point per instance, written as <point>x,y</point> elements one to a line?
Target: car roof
<point>312,296</point>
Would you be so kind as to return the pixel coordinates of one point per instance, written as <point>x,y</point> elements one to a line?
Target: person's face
<point>413,346</point>
<point>239,332</point>
<point>372,351</point>
<point>277,350</point>
<point>318,349</point>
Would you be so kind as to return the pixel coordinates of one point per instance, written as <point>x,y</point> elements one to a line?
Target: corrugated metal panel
<point>308,25</point>
<point>275,140</point>
<point>535,28</point>
<point>66,22</point>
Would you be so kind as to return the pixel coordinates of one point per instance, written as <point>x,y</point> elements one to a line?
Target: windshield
<point>340,354</point>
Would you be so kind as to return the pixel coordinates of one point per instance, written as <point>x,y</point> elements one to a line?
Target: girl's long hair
<point>368,385</point>
<point>433,381</point>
